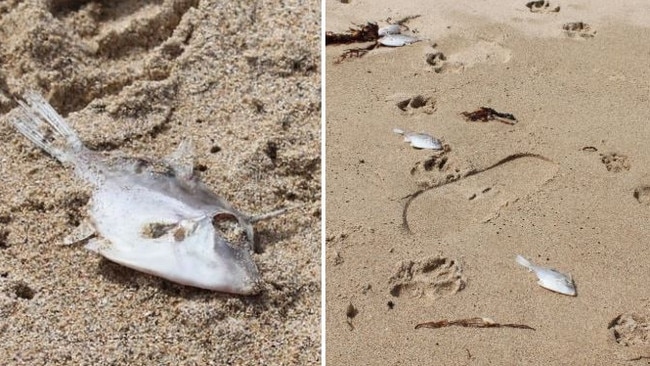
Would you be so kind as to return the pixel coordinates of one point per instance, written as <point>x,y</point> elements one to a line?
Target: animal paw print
<point>437,60</point>
<point>542,6</point>
<point>433,277</point>
<point>631,329</point>
<point>436,169</point>
<point>579,29</point>
<point>615,162</point>
<point>418,102</point>
<point>441,65</point>
<point>437,162</point>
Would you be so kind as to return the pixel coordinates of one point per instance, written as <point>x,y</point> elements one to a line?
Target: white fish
<point>420,140</point>
<point>154,217</point>
<point>389,29</point>
<point>397,40</point>
<point>550,278</point>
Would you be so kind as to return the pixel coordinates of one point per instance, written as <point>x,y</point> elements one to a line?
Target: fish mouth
<point>248,281</point>
<point>232,246</point>
<point>255,288</point>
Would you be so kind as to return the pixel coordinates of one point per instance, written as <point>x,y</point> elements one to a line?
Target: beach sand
<point>135,78</point>
<point>567,186</point>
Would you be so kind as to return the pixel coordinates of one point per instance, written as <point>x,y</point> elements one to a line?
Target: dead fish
<point>549,278</point>
<point>420,140</point>
<point>389,29</point>
<point>154,217</point>
<point>397,40</point>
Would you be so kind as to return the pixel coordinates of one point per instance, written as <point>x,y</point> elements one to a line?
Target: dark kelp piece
<point>485,114</point>
<point>471,323</point>
<point>361,34</point>
<point>356,52</point>
<point>368,32</point>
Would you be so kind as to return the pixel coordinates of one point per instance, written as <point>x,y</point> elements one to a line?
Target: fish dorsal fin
<point>182,159</point>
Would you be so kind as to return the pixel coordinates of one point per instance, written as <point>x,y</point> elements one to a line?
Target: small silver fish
<point>154,217</point>
<point>420,140</point>
<point>389,29</point>
<point>397,40</point>
<point>549,278</point>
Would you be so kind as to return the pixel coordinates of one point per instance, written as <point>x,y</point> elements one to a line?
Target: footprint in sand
<point>542,6</point>
<point>642,194</point>
<point>439,62</point>
<point>615,162</point>
<point>479,196</point>
<point>436,163</point>
<point>94,41</point>
<point>480,52</point>
<point>631,329</point>
<point>411,104</point>
<point>578,30</point>
<point>432,277</point>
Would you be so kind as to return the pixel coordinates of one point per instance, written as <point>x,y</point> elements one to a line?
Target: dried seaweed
<point>355,52</point>
<point>361,34</point>
<point>402,22</point>
<point>486,114</point>
<point>471,323</point>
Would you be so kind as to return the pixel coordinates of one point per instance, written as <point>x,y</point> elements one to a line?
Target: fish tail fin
<point>524,262</point>
<point>42,125</point>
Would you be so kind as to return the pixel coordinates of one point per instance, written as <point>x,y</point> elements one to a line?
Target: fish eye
<point>228,227</point>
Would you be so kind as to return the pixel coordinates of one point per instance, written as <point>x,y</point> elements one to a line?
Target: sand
<point>135,78</point>
<point>567,186</point>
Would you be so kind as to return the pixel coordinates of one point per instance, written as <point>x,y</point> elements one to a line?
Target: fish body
<point>397,40</point>
<point>549,278</point>
<point>155,217</point>
<point>389,29</point>
<point>420,140</point>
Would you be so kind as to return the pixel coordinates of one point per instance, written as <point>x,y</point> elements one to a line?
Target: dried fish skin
<point>549,278</point>
<point>420,140</point>
<point>154,217</point>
